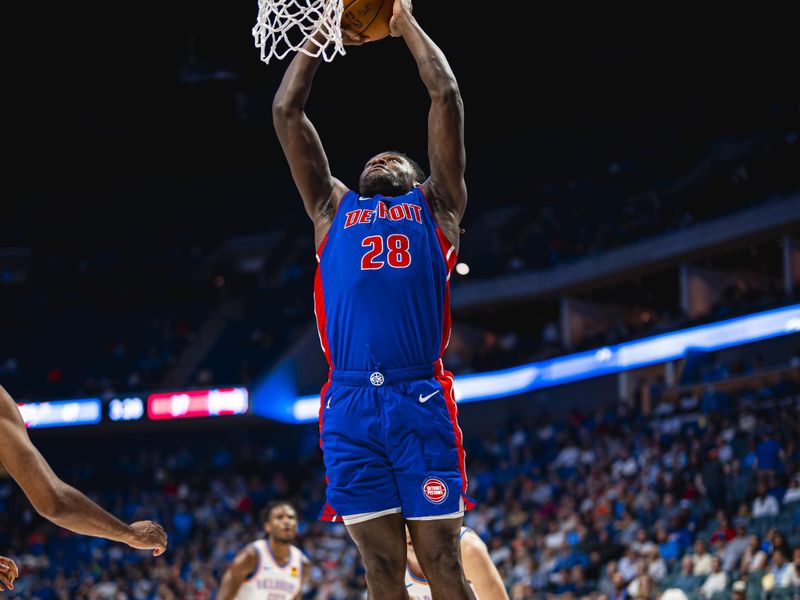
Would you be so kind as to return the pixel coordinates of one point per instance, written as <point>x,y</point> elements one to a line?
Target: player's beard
<point>284,538</point>
<point>385,183</point>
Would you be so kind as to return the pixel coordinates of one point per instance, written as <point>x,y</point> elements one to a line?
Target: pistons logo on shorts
<point>435,490</point>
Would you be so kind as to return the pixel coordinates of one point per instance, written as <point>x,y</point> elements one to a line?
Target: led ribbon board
<point>604,361</point>
<point>197,403</point>
<point>61,413</point>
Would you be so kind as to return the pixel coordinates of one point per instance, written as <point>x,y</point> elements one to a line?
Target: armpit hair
<point>437,206</point>
<point>326,210</point>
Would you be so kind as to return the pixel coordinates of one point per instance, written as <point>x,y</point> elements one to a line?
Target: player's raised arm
<point>242,567</point>
<point>445,188</point>
<point>57,501</point>
<point>480,570</point>
<point>300,141</point>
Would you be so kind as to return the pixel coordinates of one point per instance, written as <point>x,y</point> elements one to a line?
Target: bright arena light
<point>462,269</point>
<point>601,361</point>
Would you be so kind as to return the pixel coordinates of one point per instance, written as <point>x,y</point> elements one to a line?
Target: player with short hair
<point>55,500</point>
<point>271,568</point>
<point>479,570</point>
<point>389,433</point>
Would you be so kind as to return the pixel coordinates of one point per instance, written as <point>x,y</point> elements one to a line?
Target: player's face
<point>388,174</point>
<point>282,524</point>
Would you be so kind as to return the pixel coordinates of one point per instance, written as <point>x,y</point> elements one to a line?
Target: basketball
<point>368,17</point>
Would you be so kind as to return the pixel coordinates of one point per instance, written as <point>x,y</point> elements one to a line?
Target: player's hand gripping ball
<point>368,19</point>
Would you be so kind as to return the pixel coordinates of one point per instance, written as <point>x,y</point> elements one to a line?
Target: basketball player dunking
<point>270,569</point>
<point>57,501</point>
<point>388,430</point>
<point>478,569</point>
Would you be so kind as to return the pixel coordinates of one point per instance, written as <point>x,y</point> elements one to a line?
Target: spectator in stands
<point>776,570</point>
<point>606,583</point>
<point>769,454</point>
<point>601,550</point>
<point>732,554</point>
<point>717,581</point>
<point>764,505</point>
<point>713,481</point>
<point>562,583</point>
<point>555,538</point>
<point>701,559</point>
<point>668,545</point>
<point>642,545</point>
<point>779,542</point>
<point>642,585</point>
<point>739,482</point>
<point>578,577</point>
<point>754,557</point>
<point>686,579</point>
<point>793,493</point>
<point>656,566</point>
<point>724,531</point>
<point>628,565</point>
<point>791,577</point>
<point>620,591</point>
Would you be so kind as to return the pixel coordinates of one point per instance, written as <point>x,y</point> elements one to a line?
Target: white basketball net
<point>284,25</point>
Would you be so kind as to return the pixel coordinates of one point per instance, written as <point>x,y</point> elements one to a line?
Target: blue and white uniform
<point>271,580</point>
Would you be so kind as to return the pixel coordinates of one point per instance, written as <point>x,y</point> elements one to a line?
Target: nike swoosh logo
<point>424,399</point>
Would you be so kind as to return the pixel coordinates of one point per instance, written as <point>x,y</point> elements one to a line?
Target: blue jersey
<point>388,417</point>
<point>381,294</point>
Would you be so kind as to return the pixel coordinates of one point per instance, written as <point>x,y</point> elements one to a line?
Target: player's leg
<point>438,549</point>
<point>425,446</point>
<point>382,545</point>
<point>361,490</point>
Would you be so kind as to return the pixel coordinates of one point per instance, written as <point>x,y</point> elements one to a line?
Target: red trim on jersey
<point>327,514</point>
<point>446,322</point>
<point>319,306</point>
<point>450,257</point>
<point>448,249</point>
<point>443,241</point>
<point>445,379</point>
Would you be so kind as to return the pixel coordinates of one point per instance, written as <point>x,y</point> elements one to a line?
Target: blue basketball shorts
<point>391,444</point>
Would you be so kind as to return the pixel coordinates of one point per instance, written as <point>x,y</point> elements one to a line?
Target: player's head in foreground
<point>280,521</point>
<point>390,173</point>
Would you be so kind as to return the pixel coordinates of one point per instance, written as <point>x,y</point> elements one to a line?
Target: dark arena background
<point>626,307</point>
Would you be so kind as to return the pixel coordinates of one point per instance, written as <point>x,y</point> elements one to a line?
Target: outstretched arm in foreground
<point>445,189</point>
<point>57,501</point>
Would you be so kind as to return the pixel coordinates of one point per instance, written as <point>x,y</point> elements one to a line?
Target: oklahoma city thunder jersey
<point>381,293</point>
<point>271,581</point>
